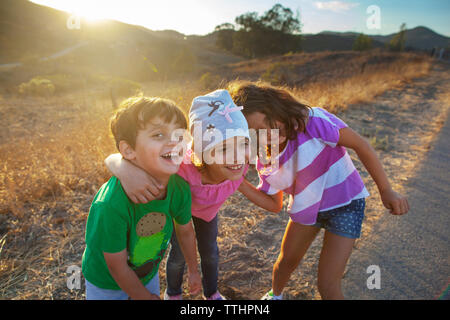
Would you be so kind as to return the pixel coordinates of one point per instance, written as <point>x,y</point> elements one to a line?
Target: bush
<point>124,87</point>
<point>277,74</point>
<point>37,87</point>
<point>397,43</point>
<point>208,81</point>
<point>362,43</point>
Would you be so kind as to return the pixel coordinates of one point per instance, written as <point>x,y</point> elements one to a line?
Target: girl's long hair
<point>276,103</point>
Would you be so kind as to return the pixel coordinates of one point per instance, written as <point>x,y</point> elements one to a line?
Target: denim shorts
<point>96,293</point>
<point>344,221</point>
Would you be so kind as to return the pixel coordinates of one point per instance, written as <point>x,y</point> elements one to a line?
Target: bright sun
<point>89,10</point>
<point>181,15</point>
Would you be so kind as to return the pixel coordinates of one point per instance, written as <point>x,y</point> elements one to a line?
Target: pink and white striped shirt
<point>317,173</point>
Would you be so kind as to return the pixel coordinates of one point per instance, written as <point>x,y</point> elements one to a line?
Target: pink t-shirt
<point>206,198</point>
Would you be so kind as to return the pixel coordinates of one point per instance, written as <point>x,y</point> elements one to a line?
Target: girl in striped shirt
<point>313,167</point>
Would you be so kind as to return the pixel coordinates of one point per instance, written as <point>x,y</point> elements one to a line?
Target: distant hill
<point>329,41</point>
<point>421,38</point>
<point>29,31</point>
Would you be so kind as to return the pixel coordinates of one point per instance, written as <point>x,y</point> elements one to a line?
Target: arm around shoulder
<point>139,186</point>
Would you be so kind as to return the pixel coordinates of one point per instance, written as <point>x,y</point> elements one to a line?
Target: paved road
<point>411,251</point>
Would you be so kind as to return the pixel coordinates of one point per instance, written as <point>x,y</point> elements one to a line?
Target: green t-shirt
<point>115,223</point>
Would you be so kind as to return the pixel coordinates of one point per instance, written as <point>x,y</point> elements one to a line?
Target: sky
<point>201,16</point>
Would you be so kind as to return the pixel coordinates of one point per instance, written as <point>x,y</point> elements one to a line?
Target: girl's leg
<point>206,233</point>
<point>296,241</point>
<point>334,256</point>
<point>174,268</point>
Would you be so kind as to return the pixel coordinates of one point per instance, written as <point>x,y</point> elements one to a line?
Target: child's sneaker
<point>176,297</point>
<point>215,296</point>
<point>270,296</point>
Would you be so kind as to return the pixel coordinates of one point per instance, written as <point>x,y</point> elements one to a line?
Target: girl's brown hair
<point>276,103</point>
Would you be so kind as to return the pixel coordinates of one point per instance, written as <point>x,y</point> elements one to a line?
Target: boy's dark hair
<point>134,114</point>
<point>276,103</point>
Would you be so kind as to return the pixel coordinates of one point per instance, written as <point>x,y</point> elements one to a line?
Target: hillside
<point>332,42</point>
<point>32,33</point>
<point>35,41</point>
<point>420,37</point>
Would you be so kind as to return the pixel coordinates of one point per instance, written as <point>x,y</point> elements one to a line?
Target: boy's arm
<point>393,201</point>
<point>273,203</point>
<point>186,239</point>
<point>125,277</point>
<point>139,186</point>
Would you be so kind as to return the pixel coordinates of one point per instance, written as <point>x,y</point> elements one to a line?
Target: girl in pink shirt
<point>214,167</point>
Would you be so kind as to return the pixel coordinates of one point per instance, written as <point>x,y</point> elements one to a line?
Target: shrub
<point>209,81</point>
<point>277,74</point>
<point>37,87</point>
<point>362,43</point>
<point>124,87</point>
<point>397,43</point>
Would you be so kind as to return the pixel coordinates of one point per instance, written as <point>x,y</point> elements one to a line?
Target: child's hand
<point>139,186</point>
<point>395,202</point>
<point>195,282</point>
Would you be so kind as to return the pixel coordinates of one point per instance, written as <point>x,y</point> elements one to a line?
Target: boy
<point>125,242</point>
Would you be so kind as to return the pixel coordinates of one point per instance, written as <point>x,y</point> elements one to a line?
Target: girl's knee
<point>288,263</point>
<point>208,251</point>
<point>175,260</point>
<point>210,257</point>
<point>330,289</point>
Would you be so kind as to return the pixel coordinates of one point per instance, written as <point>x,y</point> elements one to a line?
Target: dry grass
<point>363,87</point>
<point>335,79</point>
<point>52,151</point>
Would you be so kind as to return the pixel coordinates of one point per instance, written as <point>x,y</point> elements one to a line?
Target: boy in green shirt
<point>125,242</point>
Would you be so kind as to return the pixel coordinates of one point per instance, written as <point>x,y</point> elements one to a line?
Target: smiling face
<point>229,160</point>
<point>156,150</point>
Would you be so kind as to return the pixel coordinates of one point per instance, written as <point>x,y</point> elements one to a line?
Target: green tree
<point>225,33</point>
<point>281,19</point>
<point>397,43</point>
<point>362,43</point>
<point>276,32</point>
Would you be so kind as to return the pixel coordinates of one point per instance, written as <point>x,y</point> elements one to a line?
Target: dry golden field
<point>52,150</point>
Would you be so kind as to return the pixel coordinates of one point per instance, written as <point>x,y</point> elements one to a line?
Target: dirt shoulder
<point>411,252</point>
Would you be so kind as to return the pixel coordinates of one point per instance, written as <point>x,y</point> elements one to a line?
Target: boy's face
<point>156,150</point>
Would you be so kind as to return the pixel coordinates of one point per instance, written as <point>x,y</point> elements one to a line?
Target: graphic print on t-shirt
<point>151,224</point>
<point>150,244</point>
